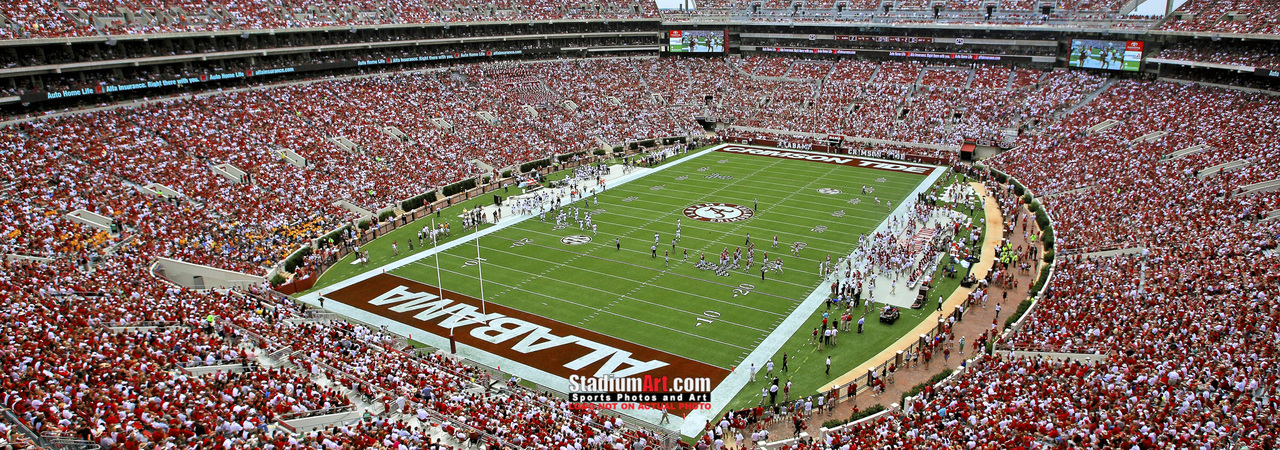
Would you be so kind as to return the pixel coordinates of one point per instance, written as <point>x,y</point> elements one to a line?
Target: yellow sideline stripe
<point>994,234</point>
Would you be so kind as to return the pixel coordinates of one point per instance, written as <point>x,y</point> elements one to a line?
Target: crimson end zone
<point>549,352</point>
<point>613,369</point>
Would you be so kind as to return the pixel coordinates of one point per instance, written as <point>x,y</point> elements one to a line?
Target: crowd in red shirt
<point>1184,326</point>
<point>47,19</point>
<point>375,141</point>
<point>1222,53</point>
<point>1210,16</point>
<point>948,105</point>
<point>1183,329</point>
<point>66,371</point>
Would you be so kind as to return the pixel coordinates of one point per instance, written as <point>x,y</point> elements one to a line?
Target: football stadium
<point>639,225</point>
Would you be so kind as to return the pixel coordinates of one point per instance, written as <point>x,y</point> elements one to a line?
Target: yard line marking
<point>857,218</point>
<point>695,314</point>
<point>788,174</point>
<point>618,182</point>
<point>779,202</point>
<point>775,340</point>
<point>757,218</point>
<point>661,216</point>
<point>684,238</point>
<point>632,250</point>
<point>632,205</point>
<point>792,193</point>
<point>599,310</point>
<point>668,272</point>
<point>646,283</point>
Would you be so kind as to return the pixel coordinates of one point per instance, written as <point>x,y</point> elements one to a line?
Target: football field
<point>610,288</point>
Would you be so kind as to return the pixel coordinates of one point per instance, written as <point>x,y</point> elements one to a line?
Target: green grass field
<point>808,365</point>
<point>679,308</point>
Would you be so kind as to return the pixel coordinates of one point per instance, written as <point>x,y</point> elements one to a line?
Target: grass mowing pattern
<point>808,365</point>
<point>680,309</point>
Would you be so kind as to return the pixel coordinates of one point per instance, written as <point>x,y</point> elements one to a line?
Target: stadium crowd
<point>1221,17</point>
<point>249,176</point>
<point>30,19</point>
<point>1176,363</point>
<point>48,18</point>
<point>106,357</point>
<point>1217,53</point>
<point>901,101</point>
<point>1165,317</point>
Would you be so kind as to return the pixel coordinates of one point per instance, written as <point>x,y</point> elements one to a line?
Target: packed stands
<point>1163,317</point>
<point>1244,17</point>
<point>763,66</point>
<point>1091,5</point>
<point>1225,219</point>
<point>49,18</point>
<point>65,327</point>
<point>30,19</point>
<point>1182,322</point>
<point>947,78</point>
<point>943,105</point>
<point>1217,53</point>
<point>895,72</point>
<point>250,224</point>
<point>1174,364</point>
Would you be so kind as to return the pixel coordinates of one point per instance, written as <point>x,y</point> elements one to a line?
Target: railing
<point>953,19</point>
<point>27,257</point>
<point>76,293</point>
<point>17,426</point>
<point>881,371</point>
<point>463,425</point>
<point>316,412</point>
<point>462,378</point>
<point>1096,248</point>
<point>59,442</point>
<point>900,360</point>
<point>667,440</point>
<point>358,381</point>
<point>255,337</point>
<point>905,408</point>
<point>823,432</point>
<point>321,315</point>
<point>143,323</point>
<point>997,343</point>
<point>220,362</point>
<point>279,354</point>
<point>397,341</point>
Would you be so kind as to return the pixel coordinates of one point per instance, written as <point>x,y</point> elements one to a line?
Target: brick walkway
<point>976,320</point>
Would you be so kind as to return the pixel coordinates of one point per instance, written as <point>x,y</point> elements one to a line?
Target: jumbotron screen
<point>1109,55</point>
<point>696,41</point>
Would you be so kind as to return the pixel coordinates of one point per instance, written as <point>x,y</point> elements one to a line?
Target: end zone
<point>831,158</point>
<point>558,349</point>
